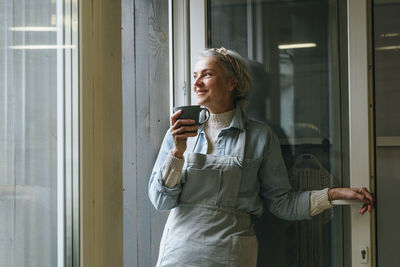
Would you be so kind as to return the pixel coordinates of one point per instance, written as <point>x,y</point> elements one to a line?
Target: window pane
<point>292,49</point>
<point>387,127</point>
<point>33,87</point>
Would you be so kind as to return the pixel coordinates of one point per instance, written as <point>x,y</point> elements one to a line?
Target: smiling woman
<point>211,86</point>
<point>229,79</point>
<point>215,184</point>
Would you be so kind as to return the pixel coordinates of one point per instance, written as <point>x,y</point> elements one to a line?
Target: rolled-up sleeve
<point>276,190</point>
<point>161,196</point>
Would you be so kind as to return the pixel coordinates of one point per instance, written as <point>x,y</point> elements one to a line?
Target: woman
<point>214,183</point>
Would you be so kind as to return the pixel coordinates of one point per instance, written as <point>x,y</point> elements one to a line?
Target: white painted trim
<point>75,220</point>
<point>60,138</point>
<point>171,56</point>
<point>187,58</point>
<point>181,72</point>
<point>67,135</point>
<point>68,124</point>
<point>198,35</point>
<point>358,122</point>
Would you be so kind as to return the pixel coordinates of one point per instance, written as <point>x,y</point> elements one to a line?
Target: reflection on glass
<point>31,207</point>
<point>293,53</point>
<point>387,127</point>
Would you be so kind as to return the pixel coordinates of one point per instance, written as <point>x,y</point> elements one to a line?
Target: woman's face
<point>212,86</point>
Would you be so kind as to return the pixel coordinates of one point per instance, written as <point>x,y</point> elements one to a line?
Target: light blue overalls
<point>210,221</point>
<point>206,229</point>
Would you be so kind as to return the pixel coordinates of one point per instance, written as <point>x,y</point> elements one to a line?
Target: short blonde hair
<point>236,68</point>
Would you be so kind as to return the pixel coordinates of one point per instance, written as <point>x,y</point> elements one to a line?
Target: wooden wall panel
<point>101,134</point>
<point>129,133</point>
<point>146,119</point>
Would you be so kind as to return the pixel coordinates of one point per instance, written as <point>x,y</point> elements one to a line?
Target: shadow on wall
<point>275,236</point>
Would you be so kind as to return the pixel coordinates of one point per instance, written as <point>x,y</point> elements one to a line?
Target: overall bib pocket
<point>230,186</point>
<point>201,186</point>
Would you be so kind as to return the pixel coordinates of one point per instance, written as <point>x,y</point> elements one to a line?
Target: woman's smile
<point>201,91</point>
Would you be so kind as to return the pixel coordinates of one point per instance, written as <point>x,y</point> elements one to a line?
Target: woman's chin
<point>201,101</point>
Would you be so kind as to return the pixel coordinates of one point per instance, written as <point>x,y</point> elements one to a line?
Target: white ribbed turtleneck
<point>213,127</point>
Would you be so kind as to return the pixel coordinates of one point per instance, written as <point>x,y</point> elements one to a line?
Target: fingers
<point>364,208</point>
<point>181,133</point>
<point>183,136</point>
<point>184,129</point>
<point>175,116</point>
<point>185,122</point>
<point>366,196</point>
<point>181,130</point>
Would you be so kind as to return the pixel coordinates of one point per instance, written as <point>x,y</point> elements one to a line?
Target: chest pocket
<point>201,186</point>
<point>211,186</point>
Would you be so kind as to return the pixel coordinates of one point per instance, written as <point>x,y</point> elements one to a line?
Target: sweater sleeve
<point>319,201</point>
<point>162,196</point>
<point>275,189</point>
<point>172,170</point>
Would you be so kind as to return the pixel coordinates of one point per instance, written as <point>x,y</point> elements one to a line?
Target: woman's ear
<point>233,85</point>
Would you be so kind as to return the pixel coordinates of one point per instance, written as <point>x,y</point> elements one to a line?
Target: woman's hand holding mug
<point>181,129</point>
<point>185,123</point>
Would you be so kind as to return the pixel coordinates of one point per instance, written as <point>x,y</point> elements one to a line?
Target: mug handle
<point>207,116</point>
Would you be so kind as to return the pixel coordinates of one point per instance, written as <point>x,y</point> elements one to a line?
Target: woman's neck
<point>220,120</point>
<point>219,110</point>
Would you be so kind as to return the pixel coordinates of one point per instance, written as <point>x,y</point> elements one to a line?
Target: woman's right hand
<point>181,130</point>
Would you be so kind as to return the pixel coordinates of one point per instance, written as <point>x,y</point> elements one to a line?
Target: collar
<point>239,119</point>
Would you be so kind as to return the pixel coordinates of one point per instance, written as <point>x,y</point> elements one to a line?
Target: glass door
<point>292,49</point>
<point>387,127</point>
<point>309,64</point>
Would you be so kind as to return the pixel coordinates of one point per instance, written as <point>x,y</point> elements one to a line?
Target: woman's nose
<point>197,82</point>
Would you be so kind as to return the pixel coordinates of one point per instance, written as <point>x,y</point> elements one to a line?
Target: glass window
<point>387,127</point>
<point>38,82</point>
<point>292,49</point>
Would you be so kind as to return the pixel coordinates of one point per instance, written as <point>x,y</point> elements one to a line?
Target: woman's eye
<point>207,74</point>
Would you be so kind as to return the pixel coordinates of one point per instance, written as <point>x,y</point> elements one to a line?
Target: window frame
<point>100,134</point>
<point>68,133</point>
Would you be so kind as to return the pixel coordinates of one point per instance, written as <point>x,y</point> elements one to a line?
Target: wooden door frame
<point>101,194</point>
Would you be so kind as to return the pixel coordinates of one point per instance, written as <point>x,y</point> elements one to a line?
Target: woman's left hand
<point>353,194</point>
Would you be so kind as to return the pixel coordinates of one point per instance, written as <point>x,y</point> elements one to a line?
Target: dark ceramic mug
<point>193,113</point>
